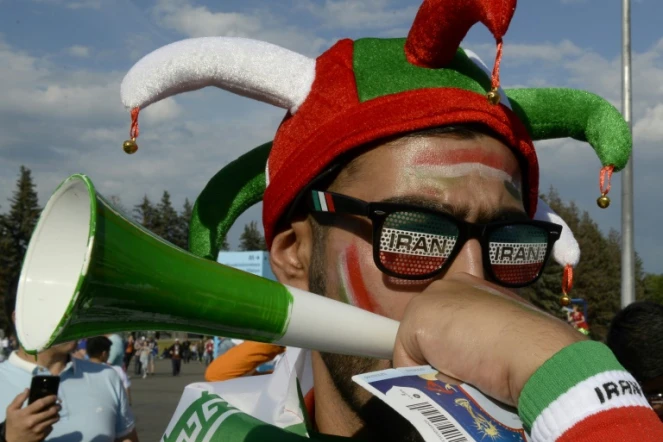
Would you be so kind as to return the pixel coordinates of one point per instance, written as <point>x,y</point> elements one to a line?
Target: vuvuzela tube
<point>90,271</point>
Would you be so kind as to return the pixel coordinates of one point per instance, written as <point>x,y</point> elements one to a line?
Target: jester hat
<point>362,91</point>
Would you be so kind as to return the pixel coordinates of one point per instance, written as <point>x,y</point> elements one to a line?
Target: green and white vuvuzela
<point>89,271</point>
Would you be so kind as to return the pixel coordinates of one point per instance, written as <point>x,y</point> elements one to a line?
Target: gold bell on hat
<point>493,96</point>
<point>603,201</point>
<point>130,146</point>
<point>565,301</point>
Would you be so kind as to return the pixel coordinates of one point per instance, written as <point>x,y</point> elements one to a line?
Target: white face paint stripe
<point>464,169</point>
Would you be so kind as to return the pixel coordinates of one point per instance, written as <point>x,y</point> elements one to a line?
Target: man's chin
<point>381,422</point>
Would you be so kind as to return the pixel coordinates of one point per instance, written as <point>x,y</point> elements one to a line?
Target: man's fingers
<point>17,403</point>
<point>42,404</point>
<point>47,414</point>
<point>44,427</point>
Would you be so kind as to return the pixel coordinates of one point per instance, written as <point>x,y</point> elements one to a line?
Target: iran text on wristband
<point>581,380</point>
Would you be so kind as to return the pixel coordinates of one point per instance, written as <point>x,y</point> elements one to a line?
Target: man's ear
<point>290,255</point>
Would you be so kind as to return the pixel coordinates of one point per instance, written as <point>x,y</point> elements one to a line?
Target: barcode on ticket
<point>446,428</point>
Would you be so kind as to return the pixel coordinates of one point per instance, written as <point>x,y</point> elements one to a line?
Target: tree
<point>116,202</point>
<point>145,213</point>
<point>251,238</point>
<point>653,288</point>
<point>224,245</point>
<point>16,227</point>
<point>166,220</point>
<point>183,222</point>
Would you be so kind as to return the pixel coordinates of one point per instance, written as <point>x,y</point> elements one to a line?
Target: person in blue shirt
<point>91,403</point>
<point>116,356</point>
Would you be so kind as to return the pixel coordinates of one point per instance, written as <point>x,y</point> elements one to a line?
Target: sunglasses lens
<point>416,243</point>
<point>518,253</point>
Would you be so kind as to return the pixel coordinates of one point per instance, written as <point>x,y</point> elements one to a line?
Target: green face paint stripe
<point>381,69</point>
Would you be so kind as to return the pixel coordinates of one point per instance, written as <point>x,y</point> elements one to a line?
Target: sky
<point>62,61</point>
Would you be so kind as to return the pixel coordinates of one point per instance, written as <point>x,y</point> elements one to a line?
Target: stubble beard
<point>381,422</point>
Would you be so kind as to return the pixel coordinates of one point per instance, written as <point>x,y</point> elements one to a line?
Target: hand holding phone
<point>32,423</point>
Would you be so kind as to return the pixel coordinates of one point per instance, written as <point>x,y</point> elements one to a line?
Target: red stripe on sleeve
<point>625,424</point>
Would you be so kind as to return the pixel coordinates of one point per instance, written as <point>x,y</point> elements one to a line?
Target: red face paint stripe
<point>359,291</point>
<point>330,203</point>
<point>461,156</point>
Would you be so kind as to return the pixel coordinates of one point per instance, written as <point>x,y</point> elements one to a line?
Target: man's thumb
<point>17,403</point>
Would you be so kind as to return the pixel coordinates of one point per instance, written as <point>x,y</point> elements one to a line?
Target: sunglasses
<point>416,243</point>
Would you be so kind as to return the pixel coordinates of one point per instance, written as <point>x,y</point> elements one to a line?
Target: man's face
<point>474,180</point>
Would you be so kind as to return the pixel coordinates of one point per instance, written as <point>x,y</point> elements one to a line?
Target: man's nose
<point>469,260</point>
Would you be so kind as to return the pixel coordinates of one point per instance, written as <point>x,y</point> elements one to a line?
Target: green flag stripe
<point>567,368</point>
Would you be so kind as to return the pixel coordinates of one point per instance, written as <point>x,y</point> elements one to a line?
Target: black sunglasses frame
<point>330,202</point>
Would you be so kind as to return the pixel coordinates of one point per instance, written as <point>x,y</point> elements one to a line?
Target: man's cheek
<point>352,288</point>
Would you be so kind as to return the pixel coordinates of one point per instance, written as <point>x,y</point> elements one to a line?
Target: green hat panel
<point>381,68</point>
<point>228,194</point>
<point>559,113</point>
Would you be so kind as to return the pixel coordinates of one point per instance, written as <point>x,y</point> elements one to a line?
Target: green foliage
<point>16,228</point>
<point>251,238</point>
<point>167,222</point>
<point>653,288</point>
<point>146,214</point>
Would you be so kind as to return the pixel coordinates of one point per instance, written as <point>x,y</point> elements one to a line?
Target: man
<point>116,355</point>
<point>404,181</point>
<point>91,403</point>
<point>175,352</point>
<point>99,349</point>
<point>209,351</point>
<point>578,320</point>
<point>636,338</point>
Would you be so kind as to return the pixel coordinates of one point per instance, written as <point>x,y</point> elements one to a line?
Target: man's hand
<point>481,334</point>
<point>32,423</point>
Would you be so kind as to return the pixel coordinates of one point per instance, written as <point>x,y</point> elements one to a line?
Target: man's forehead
<point>436,150</point>
<point>444,151</point>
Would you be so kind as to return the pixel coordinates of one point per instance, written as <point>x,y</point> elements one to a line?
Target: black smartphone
<point>43,386</point>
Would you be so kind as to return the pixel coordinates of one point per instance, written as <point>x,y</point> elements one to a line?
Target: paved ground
<point>155,398</point>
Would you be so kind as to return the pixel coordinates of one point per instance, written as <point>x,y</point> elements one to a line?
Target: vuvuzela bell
<point>90,271</point>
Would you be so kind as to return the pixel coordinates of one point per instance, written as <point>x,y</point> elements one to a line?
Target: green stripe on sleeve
<point>557,375</point>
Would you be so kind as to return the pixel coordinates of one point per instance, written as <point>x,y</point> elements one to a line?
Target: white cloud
<point>650,127</point>
<point>75,4</point>
<point>84,4</point>
<point>79,51</point>
<point>192,20</point>
<point>199,21</point>
<point>367,14</point>
<point>58,122</point>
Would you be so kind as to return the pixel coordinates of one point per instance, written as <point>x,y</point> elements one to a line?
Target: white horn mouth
<point>246,67</point>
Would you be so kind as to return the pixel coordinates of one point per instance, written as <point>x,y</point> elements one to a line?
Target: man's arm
<point>241,360</point>
<point>566,387</point>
